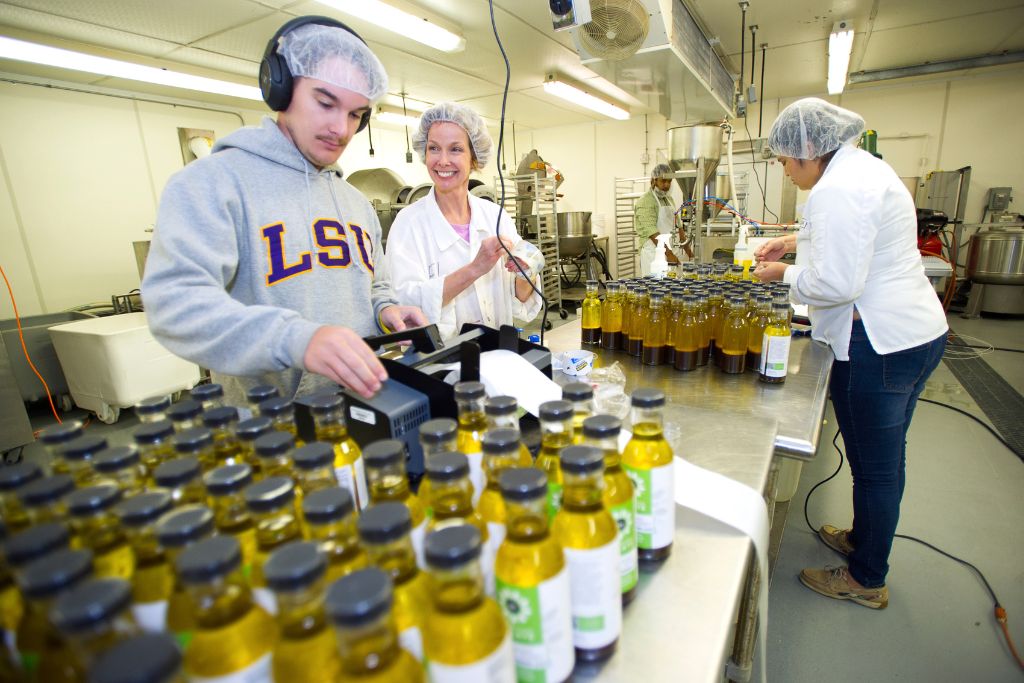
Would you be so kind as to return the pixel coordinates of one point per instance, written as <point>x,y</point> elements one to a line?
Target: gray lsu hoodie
<point>254,249</point>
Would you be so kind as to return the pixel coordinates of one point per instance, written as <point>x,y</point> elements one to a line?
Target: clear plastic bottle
<point>649,462</point>
<point>224,487</point>
<point>185,414</point>
<point>532,582</point>
<point>175,531</point>
<point>775,345</point>
<point>274,452</point>
<point>611,316</point>
<point>43,499</point>
<point>305,649</point>
<point>556,429</point>
<point>602,432</point>
<point>258,394</point>
<point>20,550</point>
<point>281,412</point>
<point>466,637</point>
<point>12,479</point>
<point>385,475</point>
<point>223,421</point>
<point>384,529</point>
<point>153,580</point>
<point>735,331</point>
<point>209,396</point>
<point>233,635</point>
<point>155,444</point>
<point>503,413</point>
<point>590,540</point>
<point>97,528</point>
<point>439,435</point>
<point>368,644</point>
<point>581,395</point>
<point>688,335</point>
<point>469,397</point>
<point>328,412</point>
<point>591,318</point>
<point>197,443</point>
<point>122,466</point>
<point>314,468</point>
<point>153,409</point>
<point>652,350</point>
<point>331,520</point>
<point>147,658</point>
<point>182,477</point>
<point>247,432</point>
<point>756,324</point>
<point>77,456</point>
<point>91,618</point>
<point>53,439</point>
<point>272,504</point>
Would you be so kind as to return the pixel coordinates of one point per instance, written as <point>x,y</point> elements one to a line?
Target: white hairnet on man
<point>661,172</point>
<point>328,53</point>
<point>462,116</point>
<point>811,128</point>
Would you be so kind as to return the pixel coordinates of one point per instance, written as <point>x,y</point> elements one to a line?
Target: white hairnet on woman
<point>442,251</point>
<point>328,53</point>
<point>465,118</point>
<point>859,270</point>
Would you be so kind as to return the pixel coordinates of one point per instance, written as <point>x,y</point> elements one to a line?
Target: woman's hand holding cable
<point>775,248</point>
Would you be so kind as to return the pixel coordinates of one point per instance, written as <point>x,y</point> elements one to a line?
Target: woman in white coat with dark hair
<point>442,252</point>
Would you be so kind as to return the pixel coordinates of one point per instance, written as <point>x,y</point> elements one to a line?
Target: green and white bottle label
<point>496,536</point>
<point>540,618</point>
<point>476,475</point>
<point>624,515</point>
<point>497,667</point>
<point>151,616</point>
<point>595,586</point>
<point>774,355</point>
<point>654,490</point>
<point>417,535</point>
<point>554,501</point>
<point>411,641</point>
<point>257,672</point>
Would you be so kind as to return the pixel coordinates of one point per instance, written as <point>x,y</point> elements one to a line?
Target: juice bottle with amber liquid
<point>153,579</point>
<point>331,522</point>
<point>635,345</point>
<point>627,297</point>
<point>735,331</point>
<point>611,317</point>
<point>555,434</point>
<point>503,413</point>
<point>653,349</point>
<point>688,335</point>
<point>591,315</point>
<point>775,345</point>
<point>756,324</point>
<point>225,486</point>
<point>385,474</point>
<point>704,323</point>
<point>97,528</point>
<point>672,307</point>
<point>581,395</point>
<point>649,462</point>
<point>716,304</point>
<point>328,412</point>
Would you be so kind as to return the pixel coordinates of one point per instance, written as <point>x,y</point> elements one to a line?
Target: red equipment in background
<point>929,224</point>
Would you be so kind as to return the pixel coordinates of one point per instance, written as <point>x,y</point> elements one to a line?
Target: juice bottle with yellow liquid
<point>175,531</point>
<point>53,439</point>
<point>271,502</point>
<point>384,529</point>
<point>122,467</point>
<point>305,649</point>
<point>469,397</point>
<point>12,478</point>
<point>532,582</point>
<point>439,435</point>
<point>775,346</point>
<point>197,443</point>
<point>274,452</point>
<point>503,413</point>
<point>43,499</point>
<point>185,414</point>
<point>154,441</point>
<point>331,522</point>
<point>501,451</point>
<point>328,412</point>
<point>648,461</point>
<point>152,409</point>
<point>755,330</point>
<point>466,637</point>
<point>247,432</point>
<point>589,538</point>
<point>150,657</point>
<point>368,645</point>
<point>153,579</point>
<point>281,412</point>
<point>97,528</point>
<point>20,550</point>
<point>258,394</point>
<point>581,395</point>
<point>385,475</point>
<point>555,434</point>
<point>452,494</point>
<point>602,432</point>
<point>314,468</point>
<point>591,315</point>
<point>223,422</point>
<point>210,396</point>
<point>652,351</point>
<point>224,487</point>
<point>233,636</point>
<point>91,618</point>
<point>77,456</point>
<point>733,347</point>
<point>183,478</point>
<point>688,335</point>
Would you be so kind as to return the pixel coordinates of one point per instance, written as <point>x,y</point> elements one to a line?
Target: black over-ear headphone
<point>276,80</point>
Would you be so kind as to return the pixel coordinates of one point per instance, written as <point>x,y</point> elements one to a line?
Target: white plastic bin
<point>789,479</point>
<point>114,362</point>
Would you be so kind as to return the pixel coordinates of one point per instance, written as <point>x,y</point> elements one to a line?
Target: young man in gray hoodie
<point>265,265</point>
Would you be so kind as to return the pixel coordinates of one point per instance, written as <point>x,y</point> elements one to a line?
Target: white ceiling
<point>225,39</point>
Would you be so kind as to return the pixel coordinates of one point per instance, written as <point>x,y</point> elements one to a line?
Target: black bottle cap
<point>253,428</point>
<point>581,459</point>
<point>384,522</point>
<point>324,506</point>
<point>154,404</point>
<point>144,508</point>
<point>523,483</point>
<point>227,479</point>
<point>206,392</point>
<point>438,430</point>
<point>154,432</point>
<point>116,458</point>
<point>274,443</point>
<point>218,418</point>
<point>210,558</point>
<point>383,453</point>
<point>447,466</point>
<point>36,541</point>
<point>17,475</point>
<point>93,499</point>
<point>501,405</point>
<point>276,406</point>
<point>184,525</point>
<point>602,426</point>
<point>359,597</point>
<point>90,603</point>
<point>313,455</point>
<point>500,440</point>
<point>83,447</point>
<point>147,658</point>
<point>52,573</point>
<point>177,472</point>
<point>61,433</point>
<point>46,490</point>
<point>192,440</point>
<point>294,565</point>
<point>555,410</point>
<point>325,403</point>
<point>577,391</point>
<point>648,397</point>
<point>468,391</point>
<point>269,494</point>
<point>452,546</point>
<point>260,393</point>
<point>186,409</point>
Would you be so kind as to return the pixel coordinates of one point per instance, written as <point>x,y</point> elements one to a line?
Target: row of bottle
<point>688,323</point>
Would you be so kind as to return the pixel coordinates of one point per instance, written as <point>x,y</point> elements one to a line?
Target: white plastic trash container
<point>789,479</point>
<point>114,362</point>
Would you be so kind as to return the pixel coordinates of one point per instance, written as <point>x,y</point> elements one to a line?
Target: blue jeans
<point>874,397</point>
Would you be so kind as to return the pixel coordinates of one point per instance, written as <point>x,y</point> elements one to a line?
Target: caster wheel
<point>66,404</point>
<point>563,314</point>
<point>547,325</point>
<point>108,414</point>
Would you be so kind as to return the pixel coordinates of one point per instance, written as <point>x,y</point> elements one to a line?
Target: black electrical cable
<point>501,179</point>
<point>760,107</point>
<point>965,413</point>
<point>369,133</point>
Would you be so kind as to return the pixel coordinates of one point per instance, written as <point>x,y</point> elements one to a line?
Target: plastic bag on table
<point>610,390</point>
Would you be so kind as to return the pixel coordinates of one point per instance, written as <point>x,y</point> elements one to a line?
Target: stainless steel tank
<point>687,147</point>
<point>996,257</point>
<point>574,233</point>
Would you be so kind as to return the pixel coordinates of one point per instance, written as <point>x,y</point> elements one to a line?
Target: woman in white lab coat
<point>859,270</point>
<point>442,251</point>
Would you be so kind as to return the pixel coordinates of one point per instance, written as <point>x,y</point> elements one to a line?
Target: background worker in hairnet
<point>859,270</point>
<point>653,215</point>
<point>262,263</point>
<point>442,254</point>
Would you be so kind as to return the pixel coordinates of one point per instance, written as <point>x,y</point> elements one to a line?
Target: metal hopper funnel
<point>696,149</point>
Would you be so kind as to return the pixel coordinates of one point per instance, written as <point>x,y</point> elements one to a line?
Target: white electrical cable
<point>732,181</point>
<point>958,352</point>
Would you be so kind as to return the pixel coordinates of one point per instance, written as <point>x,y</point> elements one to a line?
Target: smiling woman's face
<point>449,156</point>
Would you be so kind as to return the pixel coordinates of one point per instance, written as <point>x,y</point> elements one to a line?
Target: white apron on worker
<point>666,223</point>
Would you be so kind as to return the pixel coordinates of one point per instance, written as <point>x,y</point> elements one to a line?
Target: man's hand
<point>341,355</point>
<point>398,318</point>
<point>769,271</point>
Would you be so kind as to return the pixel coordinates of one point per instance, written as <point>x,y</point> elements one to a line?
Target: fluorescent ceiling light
<point>840,43</point>
<point>22,51</point>
<point>408,25</point>
<point>396,119</point>
<point>578,97</point>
